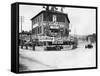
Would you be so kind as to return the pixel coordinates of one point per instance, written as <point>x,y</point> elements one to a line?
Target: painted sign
<point>54,26</point>
<point>46,38</point>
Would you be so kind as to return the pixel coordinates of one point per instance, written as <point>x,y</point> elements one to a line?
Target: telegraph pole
<point>21,32</point>
<point>21,23</point>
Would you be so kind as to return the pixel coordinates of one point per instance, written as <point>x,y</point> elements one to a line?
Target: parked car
<point>89,46</point>
<point>54,47</point>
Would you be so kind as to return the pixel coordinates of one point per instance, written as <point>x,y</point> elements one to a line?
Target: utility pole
<point>21,32</point>
<point>21,23</point>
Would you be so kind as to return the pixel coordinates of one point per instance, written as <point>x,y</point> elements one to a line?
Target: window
<point>47,17</point>
<point>60,18</point>
<point>36,20</point>
<point>33,22</point>
<point>40,18</point>
<point>54,18</point>
<point>40,29</point>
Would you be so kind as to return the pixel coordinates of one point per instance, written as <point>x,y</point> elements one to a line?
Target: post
<point>21,23</point>
<point>21,33</point>
<point>33,42</point>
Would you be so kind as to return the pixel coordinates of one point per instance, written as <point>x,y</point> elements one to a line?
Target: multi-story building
<point>50,24</point>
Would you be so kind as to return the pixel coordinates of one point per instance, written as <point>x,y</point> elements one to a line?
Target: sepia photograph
<point>56,37</point>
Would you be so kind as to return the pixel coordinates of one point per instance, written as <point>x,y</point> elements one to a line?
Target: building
<point>91,38</point>
<point>50,24</point>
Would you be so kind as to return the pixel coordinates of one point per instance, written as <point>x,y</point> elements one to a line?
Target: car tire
<point>58,48</point>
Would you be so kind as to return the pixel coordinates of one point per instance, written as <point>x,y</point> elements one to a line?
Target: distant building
<point>91,38</point>
<point>24,35</point>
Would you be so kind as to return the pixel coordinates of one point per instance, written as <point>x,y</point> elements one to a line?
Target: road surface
<point>43,60</point>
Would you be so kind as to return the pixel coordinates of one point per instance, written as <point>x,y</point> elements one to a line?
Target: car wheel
<point>58,48</point>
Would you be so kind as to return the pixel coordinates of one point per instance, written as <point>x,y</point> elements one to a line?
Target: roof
<point>57,12</point>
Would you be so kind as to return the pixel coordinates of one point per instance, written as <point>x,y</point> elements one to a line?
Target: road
<point>42,60</point>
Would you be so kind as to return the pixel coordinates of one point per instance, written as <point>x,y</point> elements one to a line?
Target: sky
<point>82,20</point>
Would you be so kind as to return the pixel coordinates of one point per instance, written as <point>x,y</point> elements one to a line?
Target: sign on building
<point>54,26</point>
<point>45,38</point>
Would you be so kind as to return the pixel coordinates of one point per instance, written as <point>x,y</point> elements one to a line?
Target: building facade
<point>50,24</point>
